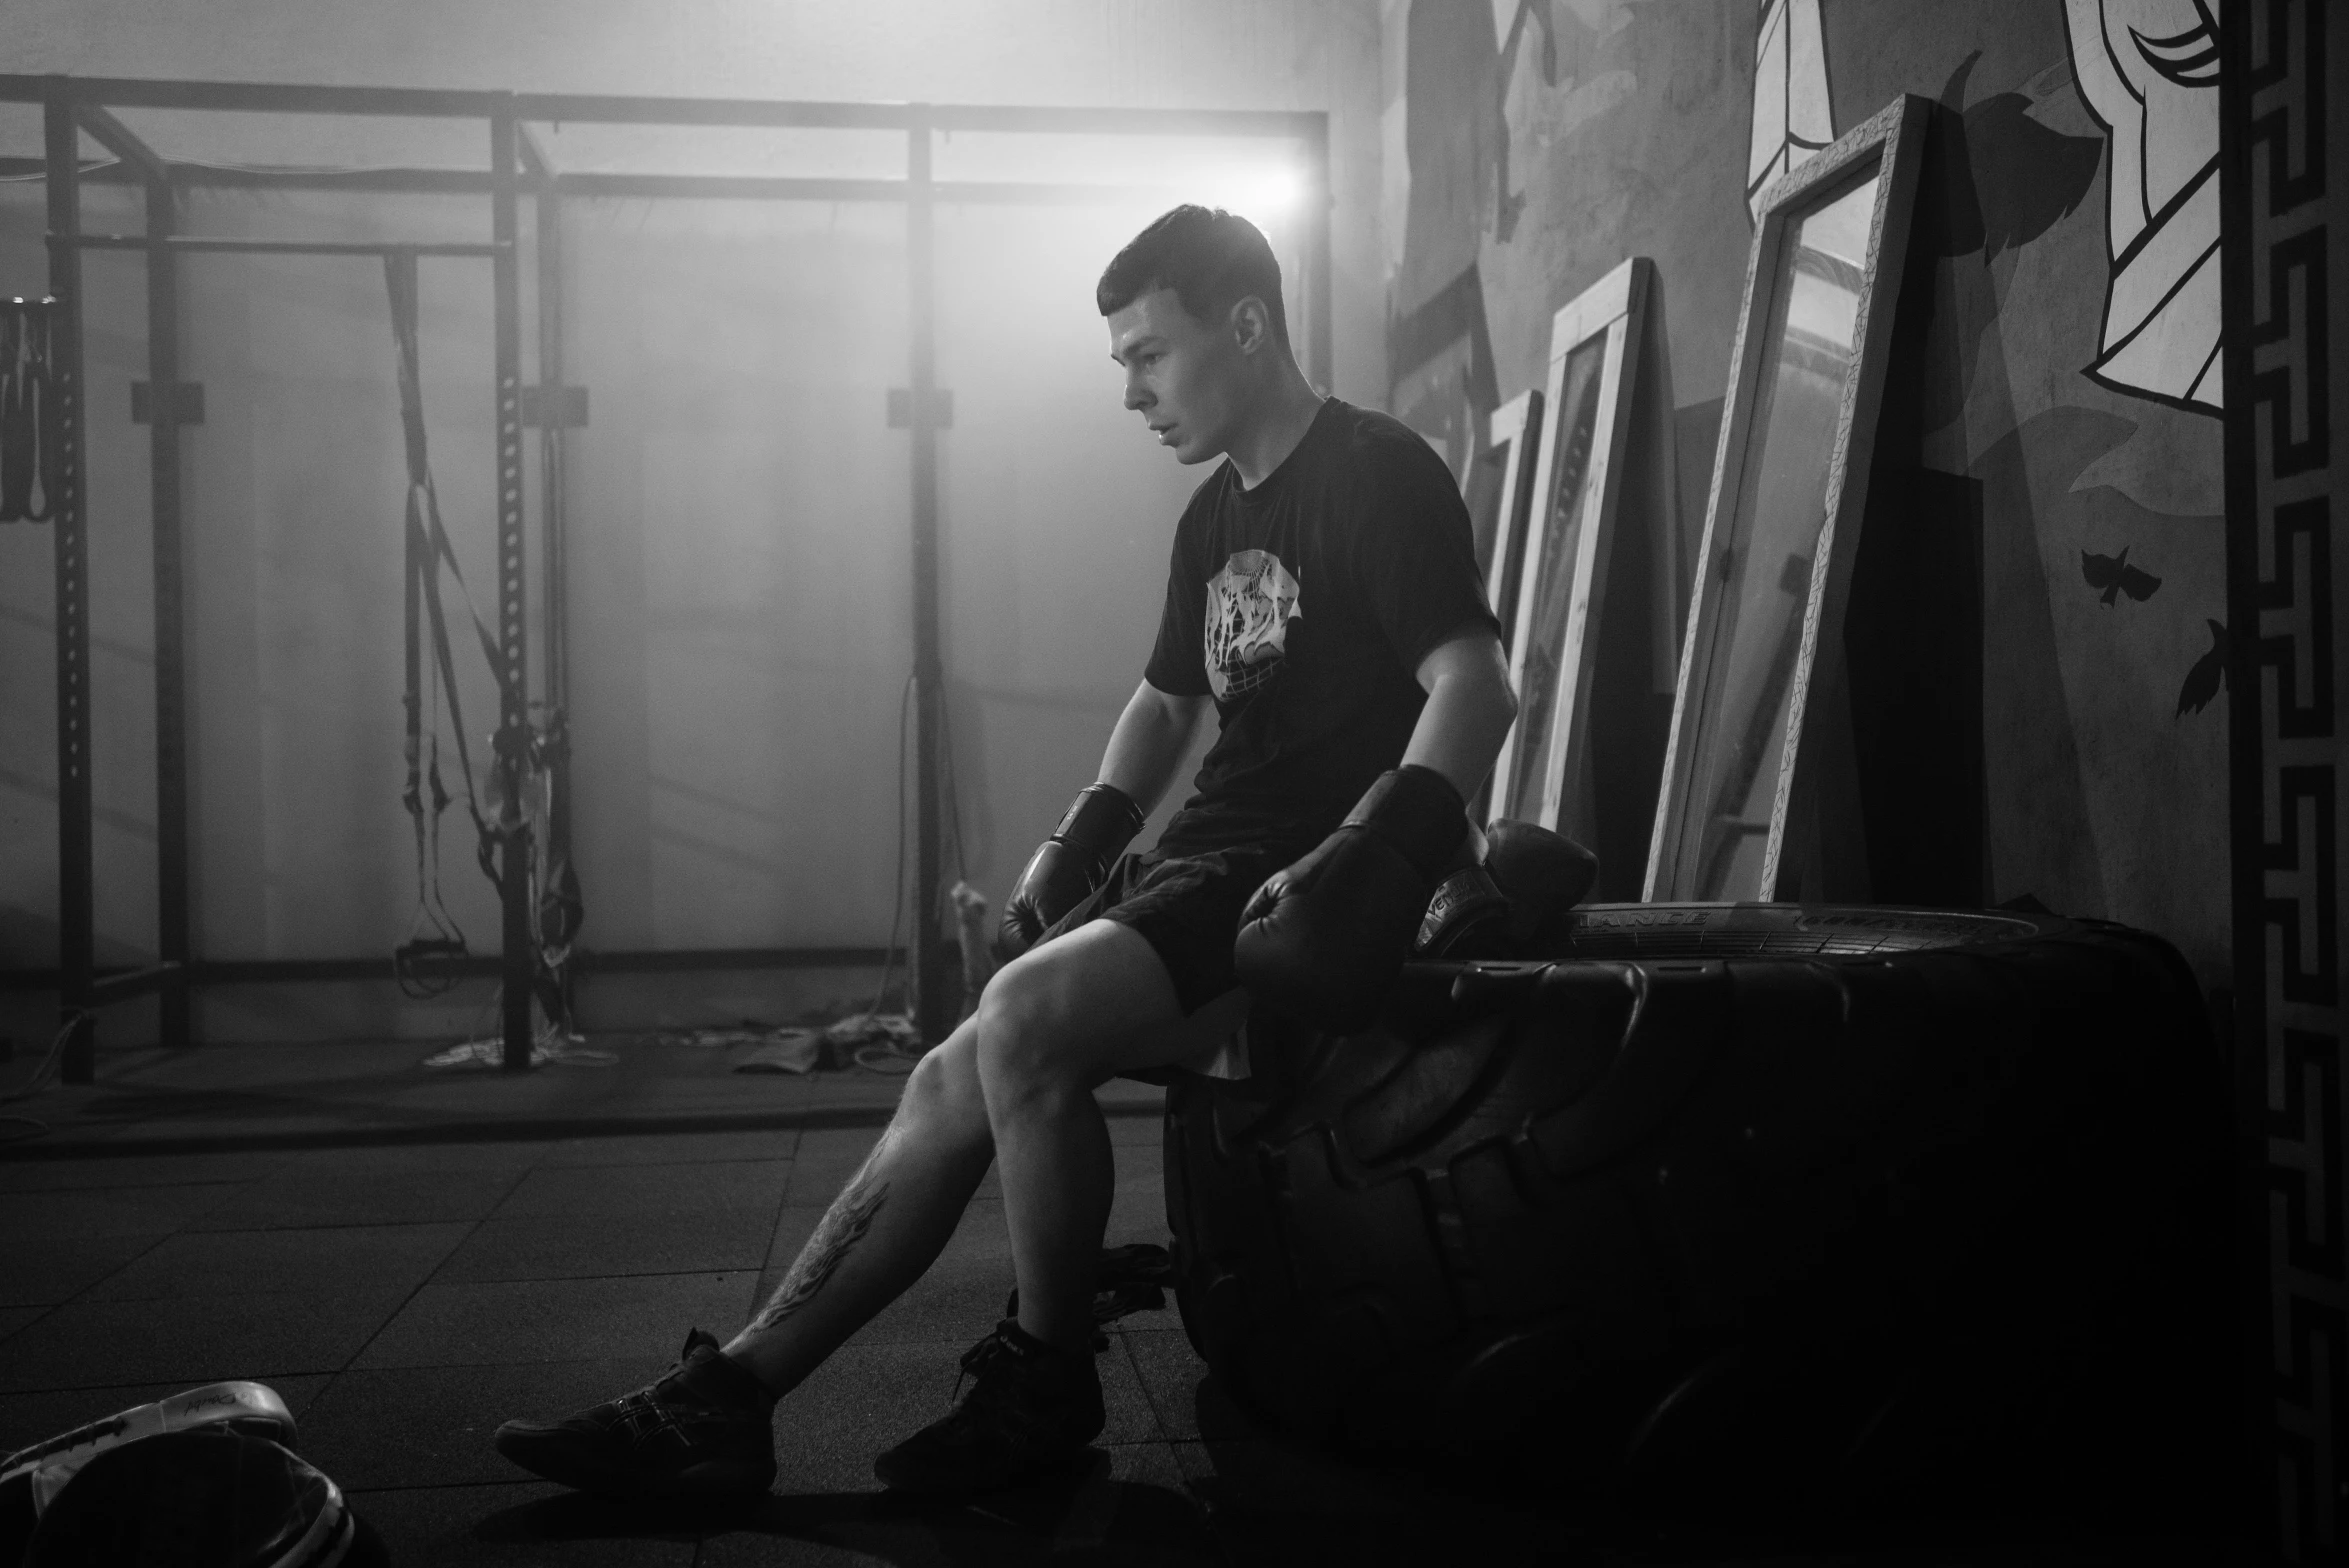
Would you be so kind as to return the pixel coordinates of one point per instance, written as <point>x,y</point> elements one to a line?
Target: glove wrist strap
<point>1101,822</point>
<point>1418,811</point>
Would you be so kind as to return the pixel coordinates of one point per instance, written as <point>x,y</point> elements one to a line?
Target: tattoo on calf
<point>842,1226</point>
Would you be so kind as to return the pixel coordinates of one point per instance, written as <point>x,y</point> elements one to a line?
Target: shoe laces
<point>982,1359</point>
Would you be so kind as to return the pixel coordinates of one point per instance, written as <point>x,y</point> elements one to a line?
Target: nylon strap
<point>428,551</point>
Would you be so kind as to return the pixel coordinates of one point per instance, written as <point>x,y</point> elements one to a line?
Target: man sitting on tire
<point>1324,595</point>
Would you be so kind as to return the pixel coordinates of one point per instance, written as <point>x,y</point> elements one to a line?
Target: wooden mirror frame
<point>1612,311</point>
<point>1503,473</point>
<point>1891,142</point>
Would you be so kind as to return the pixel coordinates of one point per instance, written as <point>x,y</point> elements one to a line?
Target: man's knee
<point>1022,1028</point>
<point>944,1084</point>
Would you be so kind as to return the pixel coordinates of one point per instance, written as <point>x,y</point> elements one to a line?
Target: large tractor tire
<point>1886,1207</point>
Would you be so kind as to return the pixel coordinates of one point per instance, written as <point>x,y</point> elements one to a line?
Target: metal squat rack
<point>518,166</point>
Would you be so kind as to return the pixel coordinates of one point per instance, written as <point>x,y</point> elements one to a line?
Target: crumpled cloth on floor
<point>786,1051</point>
<point>877,1042</point>
<point>490,1051</point>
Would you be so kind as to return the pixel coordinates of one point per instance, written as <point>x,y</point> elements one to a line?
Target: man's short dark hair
<point>1211,258</point>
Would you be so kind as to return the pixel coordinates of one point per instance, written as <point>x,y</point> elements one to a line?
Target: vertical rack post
<point>518,956</point>
<point>1319,367</point>
<point>171,722</point>
<point>936,1016</point>
<point>76,877</point>
<point>547,208</point>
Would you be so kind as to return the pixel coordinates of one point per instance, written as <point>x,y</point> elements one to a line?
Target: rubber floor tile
<point>1131,1420</point>
<point>618,1190</point>
<point>827,1157</point>
<point>394,1259</point>
<point>138,1170</point>
<point>521,1524</point>
<point>586,1246</point>
<point>307,1196</point>
<point>1137,1131</point>
<point>673,1148</point>
<point>864,1398</point>
<point>531,1321</point>
<point>1123,1506</point>
<point>1268,1476</point>
<point>431,1426</point>
<point>517,1155</point>
<point>1169,1370</point>
<point>46,1269</point>
<point>257,1336</point>
<point>1137,1212</point>
<point>110,1211</point>
<point>29,1418</point>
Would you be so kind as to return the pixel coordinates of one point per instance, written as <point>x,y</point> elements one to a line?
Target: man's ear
<point>1251,324</point>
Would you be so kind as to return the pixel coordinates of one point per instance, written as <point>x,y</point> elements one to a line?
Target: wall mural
<point>2148,71</point>
<point>1792,116</point>
<point>1440,363</point>
<point>1527,17</point>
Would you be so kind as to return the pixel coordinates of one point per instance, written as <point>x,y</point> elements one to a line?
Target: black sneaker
<point>1032,1410</point>
<point>705,1429</point>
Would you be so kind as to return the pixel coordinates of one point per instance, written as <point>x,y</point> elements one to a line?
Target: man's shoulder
<point>1382,445</point>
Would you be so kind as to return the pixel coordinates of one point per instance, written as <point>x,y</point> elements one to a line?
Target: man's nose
<point>1138,396</point>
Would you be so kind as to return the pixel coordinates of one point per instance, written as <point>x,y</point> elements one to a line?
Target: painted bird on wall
<point>2208,674</point>
<point>2115,576</point>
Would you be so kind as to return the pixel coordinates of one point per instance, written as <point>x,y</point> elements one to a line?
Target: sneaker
<point>704,1429</point>
<point>1032,1410</point>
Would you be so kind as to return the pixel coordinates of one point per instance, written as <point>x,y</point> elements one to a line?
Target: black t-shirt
<point>1304,607</point>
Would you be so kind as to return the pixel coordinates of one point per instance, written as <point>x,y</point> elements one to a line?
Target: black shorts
<point>1187,907</point>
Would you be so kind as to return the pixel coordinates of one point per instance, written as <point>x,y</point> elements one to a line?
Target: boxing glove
<point>1512,905</point>
<point>1323,939</point>
<point>1067,866</point>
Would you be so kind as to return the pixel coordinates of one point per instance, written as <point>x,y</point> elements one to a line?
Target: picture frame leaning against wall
<point>1760,685</point>
<point>1588,603</point>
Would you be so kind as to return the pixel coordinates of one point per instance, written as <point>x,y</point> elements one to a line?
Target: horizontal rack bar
<point>130,92</point>
<point>275,971</point>
<point>122,986</point>
<point>702,187</point>
<point>183,242</point>
<point>614,109</point>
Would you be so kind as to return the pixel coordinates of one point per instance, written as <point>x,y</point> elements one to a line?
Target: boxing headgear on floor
<point>205,1497</point>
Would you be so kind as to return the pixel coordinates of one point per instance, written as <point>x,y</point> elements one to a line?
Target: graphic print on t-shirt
<point>1249,606</point>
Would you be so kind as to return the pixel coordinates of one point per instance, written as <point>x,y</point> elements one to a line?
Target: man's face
<point>1187,378</point>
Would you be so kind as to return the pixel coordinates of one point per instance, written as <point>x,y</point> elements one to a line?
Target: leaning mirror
<point>1556,592</point>
<point>1500,491</point>
<point>1790,481</point>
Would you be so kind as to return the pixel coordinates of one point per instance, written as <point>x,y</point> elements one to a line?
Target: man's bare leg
<point>1049,1028</point>
<point>888,1224</point>
<point>1049,1032</point>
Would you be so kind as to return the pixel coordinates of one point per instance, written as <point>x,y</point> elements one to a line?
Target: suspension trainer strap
<point>428,550</point>
<point>30,451</point>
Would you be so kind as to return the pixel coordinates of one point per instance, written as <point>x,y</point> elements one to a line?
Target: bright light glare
<point>1263,196</point>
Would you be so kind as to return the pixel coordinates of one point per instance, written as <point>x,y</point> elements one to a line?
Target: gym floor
<point>406,1297</point>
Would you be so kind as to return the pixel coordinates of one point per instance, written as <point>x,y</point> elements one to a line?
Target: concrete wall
<point>1544,141</point>
<point>740,560</point>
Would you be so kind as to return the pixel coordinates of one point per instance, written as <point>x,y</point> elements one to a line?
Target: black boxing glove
<point>1513,905</point>
<point>1068,866</point>
<point>1325,938</point>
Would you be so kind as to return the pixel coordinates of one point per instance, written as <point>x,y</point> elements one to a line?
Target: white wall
<point>740,571</point>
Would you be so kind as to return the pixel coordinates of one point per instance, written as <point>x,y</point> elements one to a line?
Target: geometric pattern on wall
<point>2283,331</point>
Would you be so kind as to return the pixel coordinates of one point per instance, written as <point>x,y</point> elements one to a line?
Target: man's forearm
<point>1460,730</point>
<point>1146,748</point>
